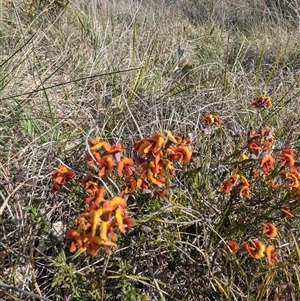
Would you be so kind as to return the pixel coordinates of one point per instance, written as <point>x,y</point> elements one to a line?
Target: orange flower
<point>268,143</point>
<point>95,218</point>
<point>116,148</point>
<point>130,185</point>
<point>158,141</point>
<point>256,249</point>
<point>98,145</point>
<point>73,234</point>
<point>270,254</point>
<point>145,147</point>
<point>93,159</point>
<point>79,241</point>
<point>96,199</point>
<point>218,120</point>
<point>63,174</point>
<point>244,181</point>
<point>107,164</point>
<point>295,173</point>
<point>231,247</point>
<point>180,153</point>
<point>152,145</point>
<point>60,177</point>
<point>89,186</point>
<point>119,214</point>
<point>96,242</point>
<point>228,184</point>
<point>126,165</point>
<point>209,119</point>
<point>174,139</point>
<point>267,163</point>
<point>153,171</point>
<point>294,183</point>
<point>156,179</point>
<point>97,227</point>
<point>255,145</point>
<point>129,222</point>
<point>287,158</point>
<point>243,187</point>
<point>245,191</point>
<point>262,101</point>
<point>212,119</point>
<point>270,230</point>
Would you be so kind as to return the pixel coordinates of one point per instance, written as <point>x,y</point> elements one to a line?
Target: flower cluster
<point>275,170</point>
<point>97,225</point>
<point>102,218</point>
<point>60,177</point>
<point>256,248</point>
<point>278,174</point>
<point>156,156</point>
<point>242,186</point>
<point>151,168</point>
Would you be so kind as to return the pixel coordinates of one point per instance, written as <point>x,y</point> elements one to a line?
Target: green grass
<point>127,69</point>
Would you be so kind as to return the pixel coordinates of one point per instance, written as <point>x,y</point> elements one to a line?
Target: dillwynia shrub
<point>151,170</point>
<point>261,189</point>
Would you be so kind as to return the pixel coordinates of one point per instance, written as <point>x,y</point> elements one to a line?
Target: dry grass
<point>118,67</point>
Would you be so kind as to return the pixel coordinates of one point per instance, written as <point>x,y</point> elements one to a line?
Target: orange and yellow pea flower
<point>294,172</point>
<point>60,177</point>
<point>231,247</point>
<point>148,146</point>
<point>287,158</point>
<point>63,174</point>
<point>228,184</point>
<point>126,166</point>
<point>243,187</point>
<point>96,228</point>
<point>255,248</point>
<point>270,230</point>
<point>130,185</point>
<point>212,119</point>
<point>294,183</point>
<point>272,183</point>
<point>180,153</point>
<point>245,191</point>
<point>255,145</point>
<point>267,163</point>
<point>89,186</point>
<point>261,140</point>
<point>267,145</point>
<point>107,164</point>
<point>116,148</point>
<point>174,139</point>
<point>270,254</point>
<point>98,145</point>
<point>262,101</point>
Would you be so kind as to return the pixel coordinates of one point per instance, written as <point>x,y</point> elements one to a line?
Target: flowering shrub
<point>262,172</point>
<point>261,189</point>
<point>151,170</point>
